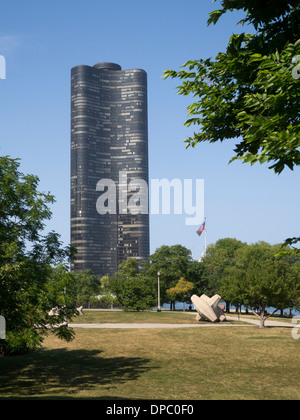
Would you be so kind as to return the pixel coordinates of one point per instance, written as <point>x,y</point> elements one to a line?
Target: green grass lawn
<point>165,317</point>
<point>188,363</point>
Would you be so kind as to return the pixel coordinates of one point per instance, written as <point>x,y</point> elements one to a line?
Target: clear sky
<point>42,40</point>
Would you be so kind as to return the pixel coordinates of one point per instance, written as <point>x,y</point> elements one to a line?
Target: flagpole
<point>199,232</point>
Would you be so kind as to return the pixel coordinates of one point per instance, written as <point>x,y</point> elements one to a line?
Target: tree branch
<point>258,316</point>
<point>271,314</point>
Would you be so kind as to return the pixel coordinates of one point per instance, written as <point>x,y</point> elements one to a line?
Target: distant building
<point>109,134</point>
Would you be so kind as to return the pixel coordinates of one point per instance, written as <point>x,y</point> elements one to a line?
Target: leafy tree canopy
<point>33,272</point>
<point>251,91</point>
<point>254,275</point>
<point>172,262</point>
<point>219,256</point>
<point>267,280</point>
<point>262,14</point>
<point>87,286</point>
<point>182,292</point>
<point>132,288</point>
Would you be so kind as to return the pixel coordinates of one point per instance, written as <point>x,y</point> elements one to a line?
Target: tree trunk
<point>227,307</point>
<point>260,316</point>
<point>262,320</point>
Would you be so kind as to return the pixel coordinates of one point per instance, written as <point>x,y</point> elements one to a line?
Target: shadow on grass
<point>64,373</point>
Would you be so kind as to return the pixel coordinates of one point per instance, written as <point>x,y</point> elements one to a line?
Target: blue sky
<point>43,40</point>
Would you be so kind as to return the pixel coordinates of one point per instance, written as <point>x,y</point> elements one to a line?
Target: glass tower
<point>109,137</point>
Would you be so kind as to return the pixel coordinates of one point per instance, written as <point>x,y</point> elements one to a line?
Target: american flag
<point>201,228</point>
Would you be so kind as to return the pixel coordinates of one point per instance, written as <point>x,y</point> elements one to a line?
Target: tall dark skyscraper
<point>109,137</point>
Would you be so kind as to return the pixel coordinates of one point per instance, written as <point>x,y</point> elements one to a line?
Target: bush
<point>133,293</point>
<point>20,342</point>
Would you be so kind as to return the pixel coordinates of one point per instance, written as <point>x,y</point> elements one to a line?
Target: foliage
<point>197,274</point>
<point>107,299</point>
<point>255,276</point>
<point>269,281</point>
<point>132,288</point>
<point>250,91</point>
<point>130,267</point>
<point>133,293</point>
<point>219,257</point>
<point>231,286</point>
<point>33,277</point>
<point>87,286</point>
<point>172,262</point>
<point>274,18</point>
<point>182,292</point>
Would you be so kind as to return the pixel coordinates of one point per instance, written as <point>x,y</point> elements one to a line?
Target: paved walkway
<point>154,325</point>
<point>247,323</point>
<point>268,322</point>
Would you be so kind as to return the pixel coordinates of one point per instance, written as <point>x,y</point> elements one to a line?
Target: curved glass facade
<point>109,135</point>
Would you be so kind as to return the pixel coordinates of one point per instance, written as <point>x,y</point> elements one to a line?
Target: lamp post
<point>158,292</point>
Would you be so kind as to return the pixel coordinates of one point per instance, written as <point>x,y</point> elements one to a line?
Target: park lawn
<point>165,317</point>
<point>172,364</point>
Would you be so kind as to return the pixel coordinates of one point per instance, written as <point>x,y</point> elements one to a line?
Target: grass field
<point>168,317</point>
<point>165,316</point>
<point>180,363</point>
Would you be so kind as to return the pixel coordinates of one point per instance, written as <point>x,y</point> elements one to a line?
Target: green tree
<point>130,267</point>
<point>132,288</point>
<point>267,280</point>
<point>33,277</point>
<point>251,91</point>
<point>107,299</point>
<point>254,276</point>
<point>172,262</point>
<point>219,257</point>
<point>232,285</point>
<point>182,292</point>
<point>87,287</point>
<point>133,292</point>
<point>197,274</point>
